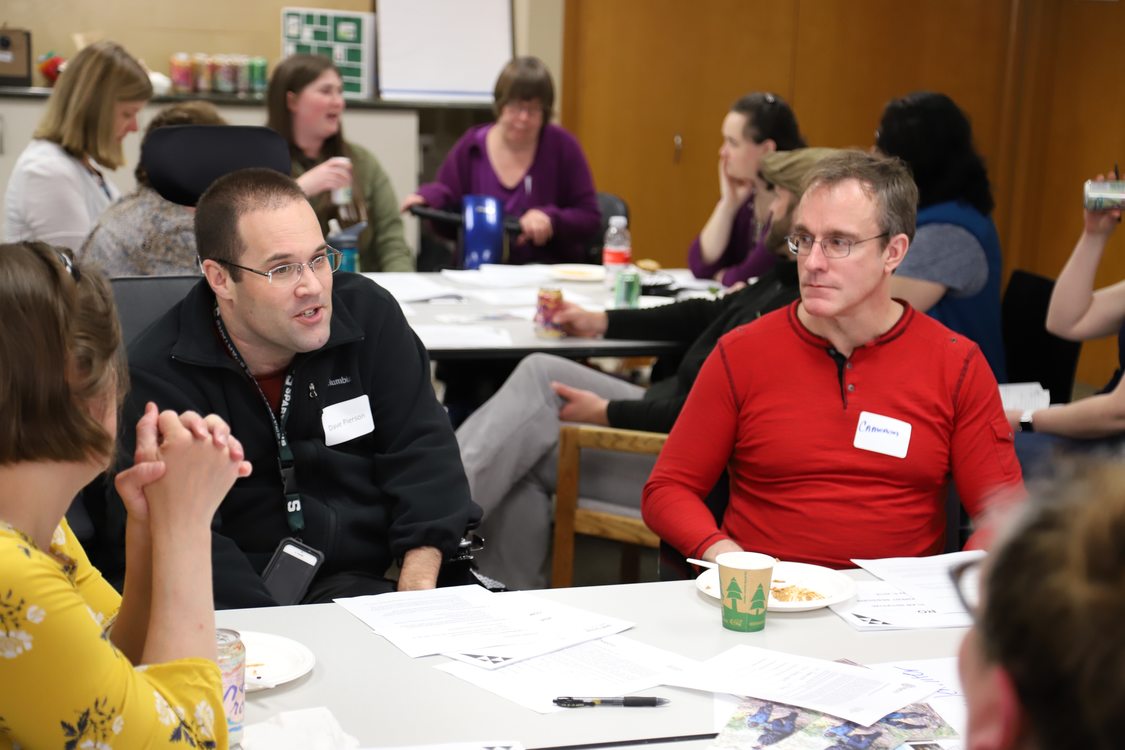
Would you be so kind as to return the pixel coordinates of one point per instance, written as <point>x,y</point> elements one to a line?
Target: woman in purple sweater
<point>731,247</point>
<point>537,170</point>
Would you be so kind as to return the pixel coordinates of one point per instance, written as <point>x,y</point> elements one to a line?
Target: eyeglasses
<point>287,274</point>
<point>967,581</point>
<point>832,247</point>
<point>532,109</point>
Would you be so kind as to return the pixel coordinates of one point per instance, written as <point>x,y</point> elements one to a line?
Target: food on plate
<point>793,593</point>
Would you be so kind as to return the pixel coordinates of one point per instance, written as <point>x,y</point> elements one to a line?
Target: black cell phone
<point>291,570</point>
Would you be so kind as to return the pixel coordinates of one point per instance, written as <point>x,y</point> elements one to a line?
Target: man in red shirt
<point>844,445</point>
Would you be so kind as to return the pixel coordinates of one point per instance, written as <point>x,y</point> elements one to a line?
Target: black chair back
<point>141,300</point>
<point>183,160</point>
<point>1034,354</point>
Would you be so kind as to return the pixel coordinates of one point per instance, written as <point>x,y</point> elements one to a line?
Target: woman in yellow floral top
<point>80,666</point>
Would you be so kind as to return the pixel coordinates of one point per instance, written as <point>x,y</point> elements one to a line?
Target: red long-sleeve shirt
<point>775,406</point>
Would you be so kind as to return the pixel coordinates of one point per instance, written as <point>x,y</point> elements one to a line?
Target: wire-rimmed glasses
<point>832,246</point>
<point>287,274</point>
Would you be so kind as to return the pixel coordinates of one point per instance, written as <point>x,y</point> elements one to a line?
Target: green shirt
<point>382,246</point>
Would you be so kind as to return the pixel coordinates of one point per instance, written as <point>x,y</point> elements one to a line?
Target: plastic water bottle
<point>617,251</point>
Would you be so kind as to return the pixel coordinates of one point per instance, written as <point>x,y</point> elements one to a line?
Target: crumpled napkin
<point>307,729</point>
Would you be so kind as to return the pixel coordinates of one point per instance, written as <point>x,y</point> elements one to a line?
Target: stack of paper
<point>915,592</point>
<point>1023,396</point>
<point>516,645</point>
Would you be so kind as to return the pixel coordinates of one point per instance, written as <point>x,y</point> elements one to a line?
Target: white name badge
<point>347,420</point>
<point>880,434</point>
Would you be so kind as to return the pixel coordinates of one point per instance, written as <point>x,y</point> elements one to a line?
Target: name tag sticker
<point>347,420</point>
<point>880,434</point>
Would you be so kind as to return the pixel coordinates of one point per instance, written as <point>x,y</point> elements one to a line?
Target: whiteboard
<point>442,50</point>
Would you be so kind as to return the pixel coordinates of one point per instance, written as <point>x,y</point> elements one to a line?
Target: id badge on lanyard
<point>294,515</point>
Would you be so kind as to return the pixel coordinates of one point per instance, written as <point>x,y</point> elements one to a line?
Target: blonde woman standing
<point>57,189</point>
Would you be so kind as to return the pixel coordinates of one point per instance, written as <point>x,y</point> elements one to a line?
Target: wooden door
<point>639,74</point>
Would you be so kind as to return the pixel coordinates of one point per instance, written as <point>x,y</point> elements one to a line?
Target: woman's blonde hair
<point>81,108</point>
<point>61,360</point>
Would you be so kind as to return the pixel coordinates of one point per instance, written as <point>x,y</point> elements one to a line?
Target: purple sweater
<point>558,184</point>
<point>745,255</point>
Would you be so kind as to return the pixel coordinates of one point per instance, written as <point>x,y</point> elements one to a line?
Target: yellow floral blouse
<point>63,684</point>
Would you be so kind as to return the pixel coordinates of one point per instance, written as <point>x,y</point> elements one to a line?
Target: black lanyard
<point>294,515</point>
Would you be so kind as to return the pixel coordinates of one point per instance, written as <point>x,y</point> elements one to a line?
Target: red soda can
<point>549,302</point>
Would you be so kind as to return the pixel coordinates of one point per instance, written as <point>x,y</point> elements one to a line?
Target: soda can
<point>232,664</point>
<point>242,73</point>
<point>1103,195</point>
<point>549,302</point>
<point>342,196</point>
<point>259,80</point>
<point>627,290</point>
<point>226,75</point>
<point>203,68</point>
<point>180,71</point>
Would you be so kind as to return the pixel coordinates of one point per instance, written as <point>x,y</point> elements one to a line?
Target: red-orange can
<point>549,302</point>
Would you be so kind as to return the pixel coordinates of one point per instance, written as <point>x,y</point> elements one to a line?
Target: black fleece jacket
<point>366,501</point>
<point>699,323</point>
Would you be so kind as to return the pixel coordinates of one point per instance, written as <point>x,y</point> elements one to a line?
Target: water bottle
<point>347,242</point>
<point>617,251</point>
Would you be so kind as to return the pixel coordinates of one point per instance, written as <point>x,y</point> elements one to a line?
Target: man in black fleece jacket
<point>328,389</point>
<point>510,445</point>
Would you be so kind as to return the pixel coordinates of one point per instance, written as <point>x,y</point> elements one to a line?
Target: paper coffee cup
<point>744,589</point>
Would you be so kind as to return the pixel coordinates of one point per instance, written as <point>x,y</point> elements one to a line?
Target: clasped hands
<point>184,465</point>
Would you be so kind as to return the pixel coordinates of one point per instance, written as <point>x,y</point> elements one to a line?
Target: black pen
<point>629,701</point>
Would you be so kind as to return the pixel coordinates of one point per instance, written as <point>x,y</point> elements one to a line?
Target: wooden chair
<point>591,517</point>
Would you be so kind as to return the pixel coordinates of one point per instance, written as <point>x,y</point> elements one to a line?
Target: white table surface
<point>522,332</point>
<point>384,698</point>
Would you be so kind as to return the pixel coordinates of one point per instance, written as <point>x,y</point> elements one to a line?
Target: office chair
<point>1035,355</point>
<point>609,205</point>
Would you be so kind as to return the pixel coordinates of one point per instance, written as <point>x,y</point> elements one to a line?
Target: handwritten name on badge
<point>880,434</point>
<point>347,420</point>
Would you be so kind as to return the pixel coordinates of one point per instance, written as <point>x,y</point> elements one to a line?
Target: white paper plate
<point>272,660</point>
<point>577,272</point>
<point>833,585</point>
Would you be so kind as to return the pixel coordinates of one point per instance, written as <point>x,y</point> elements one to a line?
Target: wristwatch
<point>1025,421</point>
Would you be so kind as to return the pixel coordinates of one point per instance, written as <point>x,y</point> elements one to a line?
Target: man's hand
<point>329,175</point>
<point>581,406</point>
<point>578,322</point>
<point>718,548</point>
<point>536,227</point>
<point>420,568</point>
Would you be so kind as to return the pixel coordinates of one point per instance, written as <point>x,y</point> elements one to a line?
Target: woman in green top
<point>305,104</point>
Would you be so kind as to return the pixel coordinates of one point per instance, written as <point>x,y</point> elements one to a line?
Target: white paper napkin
<point>307,729</point>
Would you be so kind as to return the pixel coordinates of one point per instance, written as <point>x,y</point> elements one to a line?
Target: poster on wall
<point>346,37</point>
<point>442,50</point>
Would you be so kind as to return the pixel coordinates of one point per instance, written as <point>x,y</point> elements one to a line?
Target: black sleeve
<point>418,461</point>
<point>680,321</point>
<point>650,414</point>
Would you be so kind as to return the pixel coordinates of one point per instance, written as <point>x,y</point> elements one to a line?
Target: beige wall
<point>153,30</point>
<point>539,31</point>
